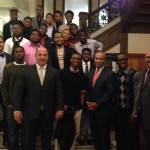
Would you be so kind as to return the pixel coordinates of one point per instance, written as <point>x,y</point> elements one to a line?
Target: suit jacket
<point>30,95</point>
<point>54,57</point>
<point>103,91</point>
<point>35,23</point>
<point>9,58</point>
<point>145,101</point>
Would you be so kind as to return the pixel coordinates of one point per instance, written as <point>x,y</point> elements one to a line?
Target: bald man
<point>145,99</point>
<point>99,100</point>
<point>40,91</point>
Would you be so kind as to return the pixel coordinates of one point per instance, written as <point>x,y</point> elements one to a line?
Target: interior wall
<point>138,43</point>
<point>115,49</point>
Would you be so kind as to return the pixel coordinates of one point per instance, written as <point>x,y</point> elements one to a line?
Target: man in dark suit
<point>99,100</point>
<point>145,99</point>
<point>59,54</point>
<point>38,95</point>
<point>4,59</point>
<point>38,19</point>
<point>85,131</point>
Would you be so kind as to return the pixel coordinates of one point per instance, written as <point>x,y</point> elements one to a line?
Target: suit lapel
<point>147,81</point>
<point>35,75</point>
<point>46,75</point>
<point>91,75</point>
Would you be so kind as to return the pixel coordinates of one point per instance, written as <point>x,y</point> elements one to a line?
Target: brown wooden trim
<point>63,6</point>
<point>54,6</point>
<point>90,6</point>
<point>42,3</point>
<point>98,3</point>
<point>137,61</point>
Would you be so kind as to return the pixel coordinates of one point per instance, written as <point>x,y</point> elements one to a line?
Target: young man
<point>10,76</point>
<point>69,17</point>
<point>4,59</point>
<point>7,28</point>
<point>45,41</point>
<point>74,87</point>
<point>59,54</point>
<point>84,42</point>
<point>27,27</point>
<point>16,40</point>
<point>38,19</point>
<point>127,105</point>
<point>38,98</point>
<point>85,131</point>
<point>31,47</point>
<point>57,19</point>
<point>50,28</point>
<point>66,36</point>
<point>74,35</point>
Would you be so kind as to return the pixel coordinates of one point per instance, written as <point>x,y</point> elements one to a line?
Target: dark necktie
<point>16,44</point>
<point>2,55</point>
<point>86,68</point>
<point>148,76</point>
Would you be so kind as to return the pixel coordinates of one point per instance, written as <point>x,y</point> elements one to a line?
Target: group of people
<point>53,71</point>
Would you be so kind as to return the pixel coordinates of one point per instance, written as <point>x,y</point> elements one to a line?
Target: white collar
<point>19,64</point>
<point>39,67</point>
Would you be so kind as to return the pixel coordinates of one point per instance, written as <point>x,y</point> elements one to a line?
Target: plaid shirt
<point>60,54</point>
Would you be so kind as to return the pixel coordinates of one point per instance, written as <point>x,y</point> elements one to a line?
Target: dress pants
<point>30,131</point>
<point>127,138</point>
<point>100,130</point>
<point>147,138</point>
<point>14,130</point>
<point>85,131</point>
<point>77,119</point>
<point>5,123</point>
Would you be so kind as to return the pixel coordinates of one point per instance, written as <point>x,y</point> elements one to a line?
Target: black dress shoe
<point>81,140</point>
<point>5,143</point>
<point>89,141</point>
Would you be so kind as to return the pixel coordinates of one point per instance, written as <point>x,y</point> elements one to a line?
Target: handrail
<point>103,15</point>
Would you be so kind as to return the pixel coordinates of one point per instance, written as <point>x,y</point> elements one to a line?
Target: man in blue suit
<point>99,100</point>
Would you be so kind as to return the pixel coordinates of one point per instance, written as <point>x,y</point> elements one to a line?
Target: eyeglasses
<point>123,59</point>
<point>75,58</point>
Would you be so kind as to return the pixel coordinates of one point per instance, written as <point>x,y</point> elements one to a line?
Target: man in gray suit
<point>38,95</point>
<point>145,99</point>
<point>38,19</point>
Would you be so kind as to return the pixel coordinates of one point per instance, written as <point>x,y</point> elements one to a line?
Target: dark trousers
<point>85,130</point>
<point>147,138</point>
<point>14,129</point>
<point>5,124</point>
<point>100,129</point>
<point>127,137</point>
<point>31,128</point>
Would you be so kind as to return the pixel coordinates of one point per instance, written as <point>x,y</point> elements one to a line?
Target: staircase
<point>136,16</point>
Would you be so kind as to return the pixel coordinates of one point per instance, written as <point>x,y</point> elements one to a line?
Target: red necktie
<point>95,77</point>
